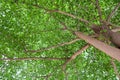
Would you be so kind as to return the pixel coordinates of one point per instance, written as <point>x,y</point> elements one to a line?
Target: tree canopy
<point>38,40</point>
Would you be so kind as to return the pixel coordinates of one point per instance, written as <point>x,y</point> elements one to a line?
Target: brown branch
<point>33,58</point>
<point>116,29</point>
<point>38,6</point>
<point>99,10</point>
<point>113,12</point>
<point>71,15</point>
<point>115,68</point>
<point>109,50</point>
<point>52,47</point>
<point>67,28</point>
<point>75,55</point>
<point>65,13</point>
<point>114,25</point>
<point>62,23</point>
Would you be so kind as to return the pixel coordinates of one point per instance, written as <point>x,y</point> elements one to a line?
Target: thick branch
<point>52,47</point>
<point>113,12</point>
<point>75,55</point>
<point>32,58</point>
<point>111,51</point>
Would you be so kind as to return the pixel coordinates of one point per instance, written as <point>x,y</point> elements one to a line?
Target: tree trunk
<point>111,51</point>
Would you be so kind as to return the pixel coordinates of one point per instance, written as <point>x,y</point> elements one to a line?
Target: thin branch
<point>62,23</point>
<point>71,15</point>
<point>67,28</point>
<point>115,68</point>
<point>38,6</point>
<point>65,13</point>
<point>66,74</point>
<point>32,58</point>
<point>113,12</point>
<point>109,50</point>
<point>114,25</point>
<point>75,55</point>
<point>99,10</point>
<point>52,47</point>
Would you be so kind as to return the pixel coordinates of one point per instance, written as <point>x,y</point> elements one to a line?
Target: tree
<point>55,39</point>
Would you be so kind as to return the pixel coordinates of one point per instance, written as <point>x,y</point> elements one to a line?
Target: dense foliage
<point>24,26</point>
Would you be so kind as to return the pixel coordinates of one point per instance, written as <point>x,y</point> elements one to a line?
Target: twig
<point>113,12</point>
<point>75,55</point>
<point>115,68</point>
<point>99,10</point>
<point>63,24</point>
<point>32,58</point>
<point>52,47</point>
<point>67,28</point>
<point>38,6</point>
